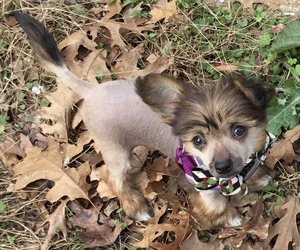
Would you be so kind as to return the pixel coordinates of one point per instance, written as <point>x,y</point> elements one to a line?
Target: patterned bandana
<point>197,174</point>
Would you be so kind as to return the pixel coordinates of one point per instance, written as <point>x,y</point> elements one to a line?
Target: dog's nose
<point>223,167</point>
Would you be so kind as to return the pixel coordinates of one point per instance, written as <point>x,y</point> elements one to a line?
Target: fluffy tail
<point>47,53</point>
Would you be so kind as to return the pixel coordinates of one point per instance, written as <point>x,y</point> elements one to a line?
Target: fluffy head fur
<point>212,116</point>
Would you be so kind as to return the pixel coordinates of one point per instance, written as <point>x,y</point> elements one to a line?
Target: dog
<point>212,132</point>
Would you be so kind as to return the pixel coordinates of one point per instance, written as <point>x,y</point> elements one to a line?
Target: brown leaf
<point>115,37</point>
<point>92,64</point>
<point>278,28</point>
<point>48,165</point>
<point>59,112</point>
<point>226,68</point>
<point>94,234</point>
<point>254,225</point>
<point>193,243</point>
<point>122,56</point>
<point>285,232</point>
<point>178,223</point>
<point>163,10</point>
<point>131,72</point>
<point>17,69</point>
<point>114,8</point>
<point>130,18</point>
<point>283,149</point>
<point>12,21</point>
<point>9,159</point>
<point>56,220</point>
<point>12,148</point>
<point>127,62</point>
<point>101,174</point>
<point>157,169</point>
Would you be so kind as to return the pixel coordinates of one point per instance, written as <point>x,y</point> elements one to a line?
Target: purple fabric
<point>184,161</point>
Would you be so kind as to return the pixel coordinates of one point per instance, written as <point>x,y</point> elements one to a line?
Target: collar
<point>196,172</point>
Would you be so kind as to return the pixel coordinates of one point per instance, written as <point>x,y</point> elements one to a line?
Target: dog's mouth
<point>226,176</point>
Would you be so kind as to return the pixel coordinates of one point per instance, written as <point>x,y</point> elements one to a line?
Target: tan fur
<point>156,111</point>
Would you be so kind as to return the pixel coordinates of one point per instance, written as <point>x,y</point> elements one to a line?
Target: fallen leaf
<point>127,61</point>
<point>49,165</point>
<point>283,149</point>
<point>158,66</point>
<point>278,28</point>
<point>114,7</point>
<point>254,225</point>
<point>112,206</point>
<point>56,220</point>
<point>177,224</point>
<point>12,148</point>
<point>139,156</point>
<point>193,243</point>
<point>226,68</point>
<point>285,232</point>
<point>130,17</point>
<point>101,174</point>
<point>9,158</point>
<point>59,112</point>
<point>17,69</point>
<point>163,10</point>
<point>12,21</point>
<point>90,64</point>
<point>94,234</point>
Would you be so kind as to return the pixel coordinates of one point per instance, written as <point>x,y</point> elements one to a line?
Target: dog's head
<point>223,124</point>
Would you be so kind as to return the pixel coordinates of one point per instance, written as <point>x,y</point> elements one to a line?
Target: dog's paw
<point>213,210</point>
<point>264,180</point>
<point>231,217</point>
<point>235,221</point>
<point>138,209</point>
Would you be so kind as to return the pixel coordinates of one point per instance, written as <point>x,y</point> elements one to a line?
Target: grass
<point>201,41</point>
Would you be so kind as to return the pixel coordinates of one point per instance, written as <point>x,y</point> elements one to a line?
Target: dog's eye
<point>239,131</point>
<point>199,141</point>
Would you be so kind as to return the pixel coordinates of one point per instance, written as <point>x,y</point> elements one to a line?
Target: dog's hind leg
<point>122,181</point>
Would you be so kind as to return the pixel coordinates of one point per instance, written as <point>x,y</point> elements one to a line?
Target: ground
<point>60,200</point>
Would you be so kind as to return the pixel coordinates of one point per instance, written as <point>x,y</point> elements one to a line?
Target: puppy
<point>211,132</point>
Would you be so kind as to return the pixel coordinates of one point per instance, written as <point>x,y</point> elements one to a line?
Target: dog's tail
<point>47,53</point>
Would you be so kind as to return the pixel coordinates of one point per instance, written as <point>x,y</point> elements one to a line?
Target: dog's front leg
<point>213,210</point>
<point>123,181</point>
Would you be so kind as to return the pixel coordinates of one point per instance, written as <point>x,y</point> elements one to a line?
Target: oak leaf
<point>59,112</point>
<point>49,165</point>
<point>114,8</point>
<point>284,149</point>
<point>127,66</point>
<point>193,243</point>
<point>56,220</point>
<point>101,174</point>
<point>163,10</point>
<point>254,225</point>
<point>93,233</point>
<point>82,55</point>
<point>285,232</point>
<point>177,224</point>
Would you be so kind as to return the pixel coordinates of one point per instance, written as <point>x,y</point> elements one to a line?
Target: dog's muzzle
<point>196,172</point>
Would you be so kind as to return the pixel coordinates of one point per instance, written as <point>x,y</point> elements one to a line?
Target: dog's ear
<point>162,93</point>
<point>259,94</point>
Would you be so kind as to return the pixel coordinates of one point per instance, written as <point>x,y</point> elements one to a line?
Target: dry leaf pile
<point>57,161</point>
